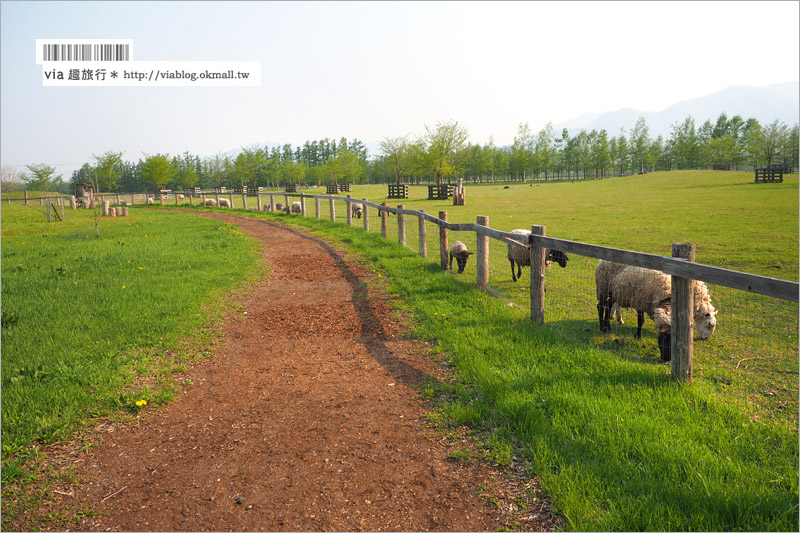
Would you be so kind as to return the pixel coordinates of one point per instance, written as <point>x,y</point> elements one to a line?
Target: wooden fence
<point>680,266</point>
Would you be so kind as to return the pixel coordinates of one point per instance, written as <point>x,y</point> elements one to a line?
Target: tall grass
<point>83,316</point>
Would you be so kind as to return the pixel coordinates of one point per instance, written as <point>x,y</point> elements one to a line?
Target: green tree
<point>766,142</point>
<point>544,152</point>
<point>107,168</point>
<point>157,170</point>
<point>41,177</point>
<point>397,151</point>
<point>444,149</point>
<point>639,141</point>
<point>521,151</point>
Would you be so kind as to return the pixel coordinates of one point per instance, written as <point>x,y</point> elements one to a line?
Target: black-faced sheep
<point>460,252</point>
<point>357,210</point>
<point>521,255</point>
<point>650,291</point>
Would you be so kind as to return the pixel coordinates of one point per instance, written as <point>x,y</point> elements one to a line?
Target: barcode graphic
<point>86,52</point>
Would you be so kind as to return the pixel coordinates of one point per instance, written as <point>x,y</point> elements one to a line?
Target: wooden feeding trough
<point>399,190</point>
<point>84,194</point>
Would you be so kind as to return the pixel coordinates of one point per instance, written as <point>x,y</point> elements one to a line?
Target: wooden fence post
<point>349,211</point>
<point>105,207</point>
<point>26,197</point>
<point>244,201</point>
<point>303,204</point>
<point>401,226</point>
<point>73,202</point>
<point>272,203</point>
<point>287,204</point>
<point>333,211</point>
<point>444,250</point>
<point>230,197</point>
<point>537,276</point>
<point>133,198</point>
<point>384,214</point>
<point>259,204</point>
<point>316,205</point>
<point>216,197</point>
<point>364,214</point>
<point>483,255</point>
<point>682,338</point>
<point>423,241</point>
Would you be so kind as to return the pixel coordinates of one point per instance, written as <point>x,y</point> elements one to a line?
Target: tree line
<point>442,152</point>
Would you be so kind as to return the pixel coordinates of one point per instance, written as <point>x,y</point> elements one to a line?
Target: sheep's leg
<point>513,277</point>
<point>451,262</point>
<point>604,310</point>
<point>639,324</point>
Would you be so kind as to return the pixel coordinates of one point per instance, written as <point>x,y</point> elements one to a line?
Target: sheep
<point>296,207</point>
<point>278,208</point>
<point>519,253</point>
<point>603,274</point>
<point>650,291</point>
<point>210,202</point>
<point>180,197</point>
<point>224,202</point>
<point>460,252</point>
<point>150,201</point>
<point>357,210</point>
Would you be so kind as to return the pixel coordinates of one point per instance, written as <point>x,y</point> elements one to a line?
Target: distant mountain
<point>780,101</point>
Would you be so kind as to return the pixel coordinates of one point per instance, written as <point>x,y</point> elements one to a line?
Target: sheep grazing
<point>180,197</point>
<point>521,255</point>
<point>357,210</point>
<point>150,201</point>
<point>224,202</point>
<point>460,252</point>
<point>296,207</point>
<point>210,202</point>
<point>649,291</point>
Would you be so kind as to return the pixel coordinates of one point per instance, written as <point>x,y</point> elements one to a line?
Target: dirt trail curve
<point>305,419</point>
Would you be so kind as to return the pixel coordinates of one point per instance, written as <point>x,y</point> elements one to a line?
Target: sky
<point>371,70</point>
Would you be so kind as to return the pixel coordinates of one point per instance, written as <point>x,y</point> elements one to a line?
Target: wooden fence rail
<point>681,266</point>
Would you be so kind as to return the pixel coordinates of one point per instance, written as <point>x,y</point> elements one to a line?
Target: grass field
<point>83,316</point>
<point>616,443</point>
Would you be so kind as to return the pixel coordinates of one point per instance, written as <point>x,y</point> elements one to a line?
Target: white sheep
<point>521,255</point>
<point>460,252</point>
<point>296,208</point>
<point>650,291</point>
<point>150,201</point>
<point>224,202</point>
<point>210,202</point>
<point>357,210</point>
<point>180,197</point>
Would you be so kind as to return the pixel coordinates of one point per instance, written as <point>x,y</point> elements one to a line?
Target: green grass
<point>616,442</point>
<point>82,316</point>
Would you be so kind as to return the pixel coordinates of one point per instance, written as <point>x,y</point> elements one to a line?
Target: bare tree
<point>10,176</point>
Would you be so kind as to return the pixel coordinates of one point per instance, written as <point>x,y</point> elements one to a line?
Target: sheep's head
<point>559,257</point>
<point>461,258</point>
<point>705,320</point>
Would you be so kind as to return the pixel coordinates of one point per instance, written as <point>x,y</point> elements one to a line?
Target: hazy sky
<point>371,70</point>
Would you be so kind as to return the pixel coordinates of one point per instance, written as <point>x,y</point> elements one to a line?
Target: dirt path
<point>306,419</point>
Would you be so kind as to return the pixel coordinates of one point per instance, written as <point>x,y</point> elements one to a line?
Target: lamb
<point>210,202</point>
<point>296,207</point>
<point>650,291</point>
<point>357,210</point>
<point>460,252</point>
<point>520,254</point>
<point>224,202</point>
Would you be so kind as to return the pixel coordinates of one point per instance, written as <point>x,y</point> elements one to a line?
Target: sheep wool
<point>296,207</point>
